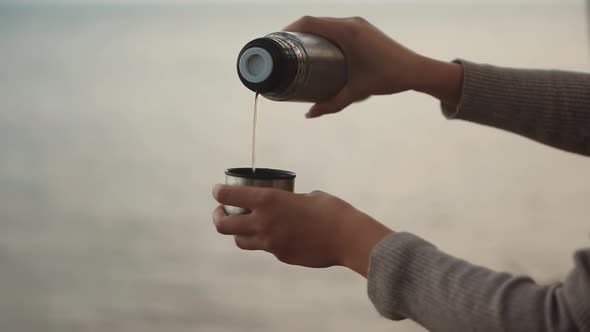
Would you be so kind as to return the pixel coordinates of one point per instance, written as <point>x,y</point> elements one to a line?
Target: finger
<point>241,196</point>
<point>249,242</point>
<point>336,104</point>
<point>323,26</point>
<point>239,224</point>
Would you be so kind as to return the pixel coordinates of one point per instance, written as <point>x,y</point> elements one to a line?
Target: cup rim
<point>261,173</point>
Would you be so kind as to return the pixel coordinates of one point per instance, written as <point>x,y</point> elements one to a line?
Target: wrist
<point>442,80</point>
<point>357,249</point>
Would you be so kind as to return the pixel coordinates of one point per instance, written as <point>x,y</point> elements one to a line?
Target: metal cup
<point>262,177</point>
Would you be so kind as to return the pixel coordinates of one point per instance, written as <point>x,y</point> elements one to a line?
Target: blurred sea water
<point>116,121</point>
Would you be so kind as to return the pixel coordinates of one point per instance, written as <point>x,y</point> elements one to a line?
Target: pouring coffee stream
<point>256,106</point>
<point>289,66</point>
<point>285,66</point>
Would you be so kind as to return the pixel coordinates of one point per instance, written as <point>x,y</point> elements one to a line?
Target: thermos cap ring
<point>255,64</point>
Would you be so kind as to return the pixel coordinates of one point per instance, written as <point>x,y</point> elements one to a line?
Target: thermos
<point>291,66</point>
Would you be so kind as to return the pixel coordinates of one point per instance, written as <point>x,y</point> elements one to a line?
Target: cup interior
<point>260,173</point>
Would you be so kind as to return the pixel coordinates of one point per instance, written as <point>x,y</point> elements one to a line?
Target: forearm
<point>410,278</point>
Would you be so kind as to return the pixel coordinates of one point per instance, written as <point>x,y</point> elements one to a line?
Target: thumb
<point>336,104</point>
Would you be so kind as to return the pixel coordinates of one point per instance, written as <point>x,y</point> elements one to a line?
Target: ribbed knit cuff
<point>474,76</point>
<point>389,274</point>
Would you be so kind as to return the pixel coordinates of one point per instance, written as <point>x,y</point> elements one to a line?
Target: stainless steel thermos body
<point>290,66</point>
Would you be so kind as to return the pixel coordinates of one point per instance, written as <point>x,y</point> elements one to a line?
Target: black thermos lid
<point>266,66</point>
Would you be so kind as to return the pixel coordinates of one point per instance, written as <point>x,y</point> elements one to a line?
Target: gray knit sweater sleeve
<point>410,278</point>
<point>550,106</point>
